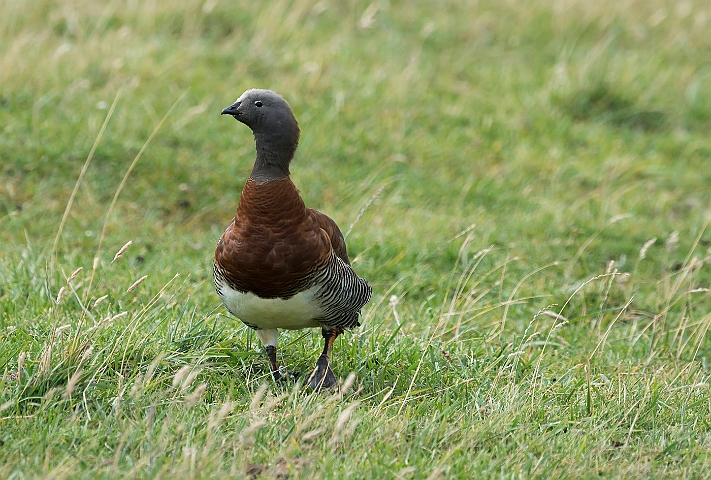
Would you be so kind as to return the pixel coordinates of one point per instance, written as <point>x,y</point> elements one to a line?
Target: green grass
<point>519,157</point>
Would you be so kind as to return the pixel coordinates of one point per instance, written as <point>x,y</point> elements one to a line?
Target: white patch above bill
<point>245,94</point>
<point>297,312</point>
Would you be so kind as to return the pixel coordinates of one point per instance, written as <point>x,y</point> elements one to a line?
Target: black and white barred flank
<point>341,294</point>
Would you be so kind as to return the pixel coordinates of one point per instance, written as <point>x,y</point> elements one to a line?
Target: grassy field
<point>526,186</point>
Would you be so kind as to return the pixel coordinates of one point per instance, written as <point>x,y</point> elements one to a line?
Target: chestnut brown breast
<point>274,243</point>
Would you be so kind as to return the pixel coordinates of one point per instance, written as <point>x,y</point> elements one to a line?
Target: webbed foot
<point>322,377</point>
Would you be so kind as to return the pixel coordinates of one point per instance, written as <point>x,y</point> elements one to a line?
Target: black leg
<point>322,376</point>
<point>271,353</point>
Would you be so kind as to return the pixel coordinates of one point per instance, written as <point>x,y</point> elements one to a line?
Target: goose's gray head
<point>265,112</point>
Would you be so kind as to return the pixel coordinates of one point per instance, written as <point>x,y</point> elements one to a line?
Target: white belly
<point>297,312</point>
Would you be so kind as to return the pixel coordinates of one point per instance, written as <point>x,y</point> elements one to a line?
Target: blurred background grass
<point>567,133</point>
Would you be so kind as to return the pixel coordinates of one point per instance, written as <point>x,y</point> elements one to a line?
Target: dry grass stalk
<point>106,320</point>
<point>350,380</point>
<point>45,360</point>
<point>180,375</point>
<point>122,250</point>
<point>99,300</point>
<point>394,300</point>
<point>151,415</point>
<point>438,472</point>
<point>273,402</point>
<point>246,438</point>
<point>84,168</point>
<point>20,364</point>
<point>74,274</point>
<point>341,422</point>
<point>71,384</point>
<point>61,328</point>
<point>136,283</point>
<point>257,398</point>
<point>554,315</point>
<point>306,423</point>
<point>647,245</point>
<point>363,210</point>
<point>217,418</point>
<point>6,405</point>
<point>672,243</point>
<point>195,396</point>
<point>61,294</point>
<point>189,378</point>
<point>87,353</point>
<point>310,435</point>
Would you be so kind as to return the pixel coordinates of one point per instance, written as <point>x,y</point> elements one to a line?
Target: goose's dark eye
<point>258,103</point>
